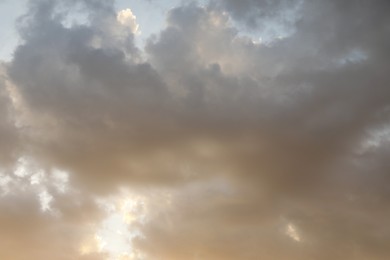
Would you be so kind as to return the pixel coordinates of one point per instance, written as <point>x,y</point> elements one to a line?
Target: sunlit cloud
<point>292,232</point>
<point>127,18</point>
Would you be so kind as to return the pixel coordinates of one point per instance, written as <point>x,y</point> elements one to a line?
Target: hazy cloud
<point>239,148</point>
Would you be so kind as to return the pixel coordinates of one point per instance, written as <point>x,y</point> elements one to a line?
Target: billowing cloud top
<point>242,130</point>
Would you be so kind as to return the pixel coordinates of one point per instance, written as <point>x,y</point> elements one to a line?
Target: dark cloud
<point>275,150</point>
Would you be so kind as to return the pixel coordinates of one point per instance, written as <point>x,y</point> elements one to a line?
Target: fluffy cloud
<point>270,149</point>
<point>126,17</point>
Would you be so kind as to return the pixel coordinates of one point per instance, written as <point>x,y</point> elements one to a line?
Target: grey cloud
<point>318,109</point>
<point>279,124</point>
<point>9,138</point>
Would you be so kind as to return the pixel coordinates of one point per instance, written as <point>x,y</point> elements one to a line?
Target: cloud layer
<point>241,149</point>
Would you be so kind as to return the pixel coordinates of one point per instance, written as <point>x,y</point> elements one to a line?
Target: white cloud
<point>128,19</point>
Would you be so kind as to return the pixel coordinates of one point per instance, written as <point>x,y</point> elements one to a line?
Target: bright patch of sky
<point>115,234</point>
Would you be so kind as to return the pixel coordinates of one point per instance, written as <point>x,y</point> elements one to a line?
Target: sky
<point>175,130</point>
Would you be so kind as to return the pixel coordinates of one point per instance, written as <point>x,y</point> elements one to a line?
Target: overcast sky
<point>215,129</point>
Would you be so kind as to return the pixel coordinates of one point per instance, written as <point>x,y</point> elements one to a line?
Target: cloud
<point>9,139</point>
<point>274,149</point>
<point>127,18</point>
<point>39,219</point>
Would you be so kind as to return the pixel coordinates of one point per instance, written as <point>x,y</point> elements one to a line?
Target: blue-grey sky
<point>9,11</point>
